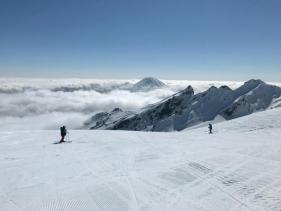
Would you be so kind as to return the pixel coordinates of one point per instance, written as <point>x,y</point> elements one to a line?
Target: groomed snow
<point>236,168</point>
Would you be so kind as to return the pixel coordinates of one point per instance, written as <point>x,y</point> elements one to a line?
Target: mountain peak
<point>188,90</point>
<point>115,110</point>
<point>224,87</point>
<point>148,83</point>
<point>253,82</point>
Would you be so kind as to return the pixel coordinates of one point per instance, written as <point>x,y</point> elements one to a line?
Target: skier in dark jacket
<point>63,133</point>
<point>210,128</point>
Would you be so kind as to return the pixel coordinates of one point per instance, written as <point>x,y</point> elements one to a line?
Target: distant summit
<point>147,84</point>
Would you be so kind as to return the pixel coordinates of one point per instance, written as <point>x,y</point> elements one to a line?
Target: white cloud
<point>43,121</point>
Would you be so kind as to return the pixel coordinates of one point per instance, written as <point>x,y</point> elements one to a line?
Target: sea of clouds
<point>28,104</point>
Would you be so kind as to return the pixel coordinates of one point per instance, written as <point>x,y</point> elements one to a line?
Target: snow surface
<point>236,168</point>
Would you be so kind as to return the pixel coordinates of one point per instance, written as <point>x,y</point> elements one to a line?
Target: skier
<point>63,133</point>
<point>210,128</point>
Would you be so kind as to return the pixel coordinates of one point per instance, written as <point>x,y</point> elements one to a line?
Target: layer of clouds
<point>48,103</point>
<point>44,108</point>
<point>43,121</point>
<point>45,101</point>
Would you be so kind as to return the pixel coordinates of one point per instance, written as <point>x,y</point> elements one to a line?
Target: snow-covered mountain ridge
<point>186,109</point>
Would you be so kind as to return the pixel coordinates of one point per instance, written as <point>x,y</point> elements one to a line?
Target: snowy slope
<point>236,168</point>
<point>276,103</point>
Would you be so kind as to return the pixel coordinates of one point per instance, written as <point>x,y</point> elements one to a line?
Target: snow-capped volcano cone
<point>147,84</point>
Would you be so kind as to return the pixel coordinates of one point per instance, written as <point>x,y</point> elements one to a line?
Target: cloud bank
<point>49,107</point>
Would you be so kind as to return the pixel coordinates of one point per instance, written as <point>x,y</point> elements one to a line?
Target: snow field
<point>236,168</point>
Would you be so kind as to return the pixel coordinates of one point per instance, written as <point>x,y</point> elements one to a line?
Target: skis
<point>63,142</point>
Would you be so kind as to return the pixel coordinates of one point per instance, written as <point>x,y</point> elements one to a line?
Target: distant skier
<point>63,133</point>
<point>210,128</point>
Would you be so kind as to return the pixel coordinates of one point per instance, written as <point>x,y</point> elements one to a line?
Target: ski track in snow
<point>236,168</point>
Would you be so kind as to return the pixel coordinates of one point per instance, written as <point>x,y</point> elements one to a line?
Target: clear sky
<point>167,39</point>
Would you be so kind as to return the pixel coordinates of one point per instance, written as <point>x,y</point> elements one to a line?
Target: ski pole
<point>68,136</point>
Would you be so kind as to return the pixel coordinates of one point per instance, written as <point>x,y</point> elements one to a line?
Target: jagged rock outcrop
<point>103,120</point>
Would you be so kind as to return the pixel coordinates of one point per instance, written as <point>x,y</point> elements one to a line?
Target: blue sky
<point>175,39</point>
